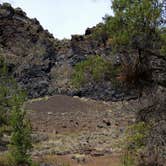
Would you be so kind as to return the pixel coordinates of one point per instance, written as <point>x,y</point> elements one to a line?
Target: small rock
<point>97,154</point>
<point>107,122</point>
<point>44,164</point>
<point>100,126</point>
<point>64,126</point>
<point>79,158</point>
<point>49,113</point>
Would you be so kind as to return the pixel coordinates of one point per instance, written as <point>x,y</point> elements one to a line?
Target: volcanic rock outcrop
<point>37,60</point>
<point>43,65</point>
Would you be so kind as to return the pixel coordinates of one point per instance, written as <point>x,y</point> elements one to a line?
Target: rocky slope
<point>43,65</point>
<point>27,48</point>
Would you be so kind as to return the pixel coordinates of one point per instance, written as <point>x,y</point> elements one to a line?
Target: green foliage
<point>136,136</point>
<point>163,42</point>
<point>94,69</point>
<point>13,117</point>
<point>8,89</point>
<point>100,34</point>
<point>20,144</point>
<point>127,159</point>
<point>135,24</point>
<point>5,93</point>
<point>135,142</point>
<point>7,160</point>
<point>136,29</point>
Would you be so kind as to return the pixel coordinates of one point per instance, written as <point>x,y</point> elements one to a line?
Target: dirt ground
<point>79,131</point>
<point>107,160</point>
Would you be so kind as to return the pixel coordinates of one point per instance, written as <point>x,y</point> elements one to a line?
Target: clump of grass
<point>52,160</point>
<point>39,99</point>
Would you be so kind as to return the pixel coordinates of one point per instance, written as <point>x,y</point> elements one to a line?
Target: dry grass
<point>3,160</point>
<point>53,160</point>
<point>39,99</point>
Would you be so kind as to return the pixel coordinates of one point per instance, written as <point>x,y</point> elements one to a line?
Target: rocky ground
<point>80,130</point>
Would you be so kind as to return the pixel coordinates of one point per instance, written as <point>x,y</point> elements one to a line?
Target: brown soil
<point>63,113</point>
<point>66,126</point>
<point>113,160</point>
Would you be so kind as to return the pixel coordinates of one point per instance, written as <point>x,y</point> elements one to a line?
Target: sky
<point>65,17</point>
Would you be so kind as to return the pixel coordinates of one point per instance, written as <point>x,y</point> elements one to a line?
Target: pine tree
<point>13,116</point>
<point>136,24</point>
<point>5,96</point>
<point>20,144</point>
<point>136,32</point>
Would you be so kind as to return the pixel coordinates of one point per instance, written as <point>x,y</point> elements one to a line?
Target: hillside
<point>87,123</point>
<point>43,65</point>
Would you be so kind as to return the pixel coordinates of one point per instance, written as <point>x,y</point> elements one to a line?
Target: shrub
<point>94,69</point>
<point>127,159</point>
<point>20,143</point>
<point>136,136</point>
<point>135,142</point>
<point>13,118</point>
<point>5,97</point>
